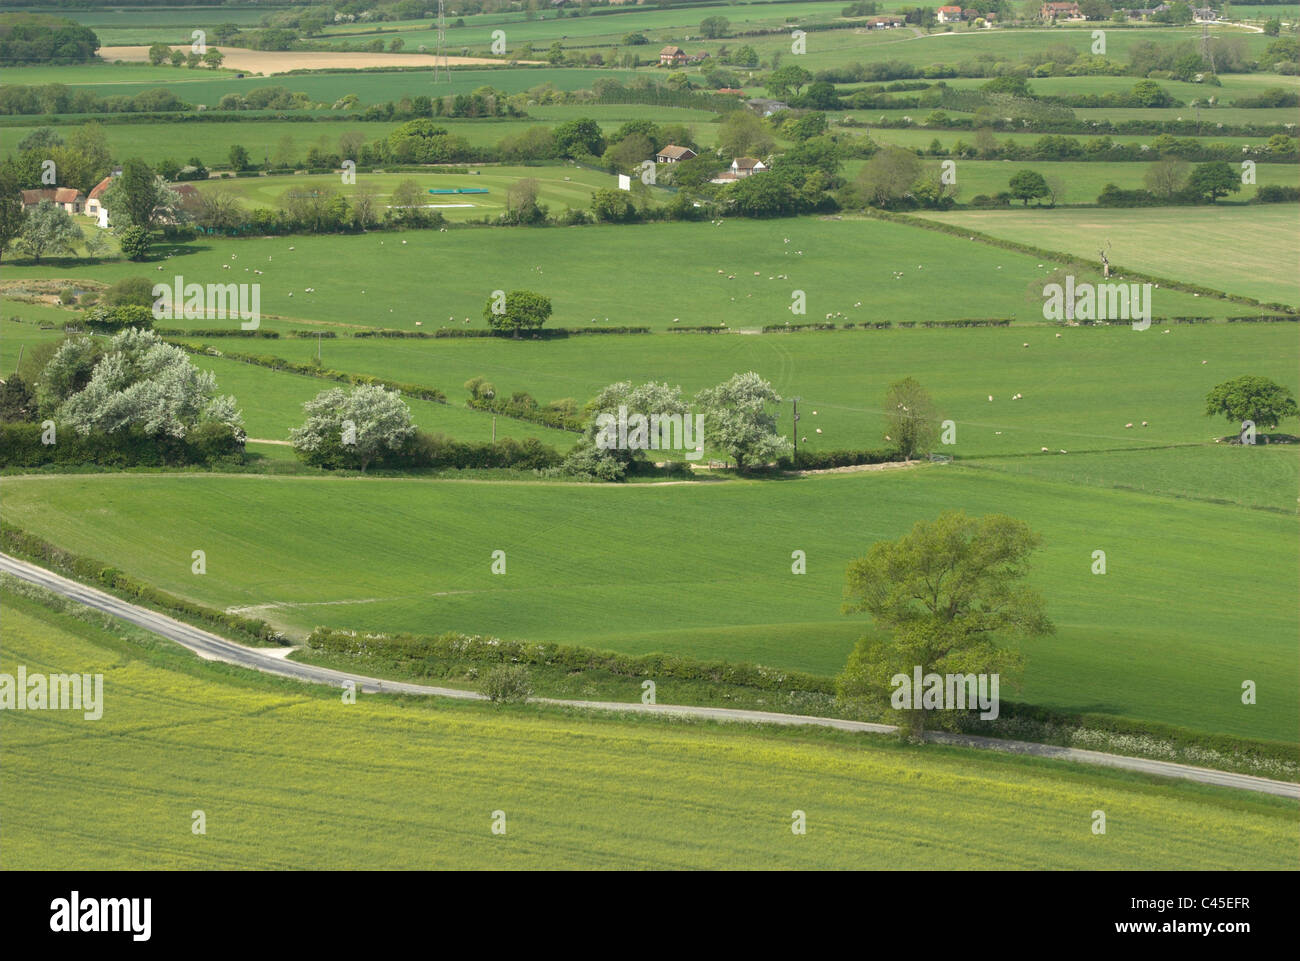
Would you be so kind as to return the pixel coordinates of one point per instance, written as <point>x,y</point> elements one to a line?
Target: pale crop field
<point>286,776</point>
<point>1245,250</point>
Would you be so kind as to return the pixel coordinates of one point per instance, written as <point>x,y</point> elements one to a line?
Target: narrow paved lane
<point>215,648</point>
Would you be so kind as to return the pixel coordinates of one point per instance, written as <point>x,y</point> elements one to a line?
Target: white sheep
<point>1128,426</point>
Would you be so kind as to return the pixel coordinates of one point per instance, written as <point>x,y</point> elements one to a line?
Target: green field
<point>1080,182</point>
<point>1248,250</point>
<point>1079,389</point>
<point>198,87</point>
<point>1164,636</point>
<point>560,186</point>
<point>739,272</point>
<point>287,777</point>
<point>261,132</point>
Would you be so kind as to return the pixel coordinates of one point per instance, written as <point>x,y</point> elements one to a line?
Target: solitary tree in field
<point>1212,180</point>
<point>1028,185</point>
<point>520,310</point>
<point>911,418</point>
<point>715,27</point>
<point>938,598</point>
<point>1255,399</point>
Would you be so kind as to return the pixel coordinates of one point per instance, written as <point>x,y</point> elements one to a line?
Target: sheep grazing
<point>1065,452</point>
<point>1024,345</point>
<point>756,273</point>
<point>1044,450</point>
<point>997,432</point>
<point>225,266</point>
<point>1128,426</point>
<point>1205,362</point>
<point>819,430</point>
<point>990,398</point>
<point>1058,336</point>
<point>1144,423</point>
<point>291,248</point>
<point>419,323</point>
<point>403,244</point>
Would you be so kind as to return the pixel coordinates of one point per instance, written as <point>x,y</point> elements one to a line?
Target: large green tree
<point>1214,179</point>
<point>1027,185</point>
<point>1255,399</point>
<point>940,597</point>
<point>518,310</point>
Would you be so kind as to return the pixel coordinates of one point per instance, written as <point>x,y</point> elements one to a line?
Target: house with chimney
<point>1060,11</point>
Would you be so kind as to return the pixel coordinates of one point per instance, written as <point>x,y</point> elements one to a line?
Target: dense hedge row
<point>272,362</point>
<point>699,330</point>
<point>438,451</point>
<point>533,413</point>
<point>216,332</point>
<point>827,459</point>
<point>21,446</point>
<point>30,547</point>
<point>554,333</point>
<point>885,325</point>
<point>1277,194</point>
<point>478,649</point>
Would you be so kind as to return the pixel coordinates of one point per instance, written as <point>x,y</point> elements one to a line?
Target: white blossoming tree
<point>737,420</point>
<point>143,383</point>
<point>353,428</point>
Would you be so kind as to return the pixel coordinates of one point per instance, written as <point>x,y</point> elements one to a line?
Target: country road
<point>272,661</point>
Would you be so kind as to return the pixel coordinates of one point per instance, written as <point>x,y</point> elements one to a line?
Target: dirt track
<point>270,62</point>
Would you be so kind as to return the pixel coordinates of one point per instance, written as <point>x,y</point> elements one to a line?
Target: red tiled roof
<point>98,190</point>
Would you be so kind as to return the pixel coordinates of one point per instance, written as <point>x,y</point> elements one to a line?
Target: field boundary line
<point>212,647</point>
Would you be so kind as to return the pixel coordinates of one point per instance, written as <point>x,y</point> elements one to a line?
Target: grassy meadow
<point>742,273</point>
<point>287,777</point>
<point>1163,636</point>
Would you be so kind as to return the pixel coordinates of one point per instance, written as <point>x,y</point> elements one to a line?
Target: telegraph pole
<point>794,402</point>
